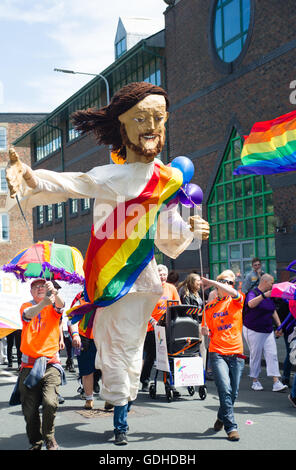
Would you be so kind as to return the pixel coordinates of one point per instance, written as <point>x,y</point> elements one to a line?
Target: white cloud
<point>81,37</point>
<point>31,11</point>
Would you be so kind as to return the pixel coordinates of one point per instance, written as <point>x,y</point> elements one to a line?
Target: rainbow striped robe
<point>115,259</point>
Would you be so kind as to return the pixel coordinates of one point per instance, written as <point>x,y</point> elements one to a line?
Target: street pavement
<point>266,420</point>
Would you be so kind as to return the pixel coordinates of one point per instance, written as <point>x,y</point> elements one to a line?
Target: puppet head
<point>133,122</point>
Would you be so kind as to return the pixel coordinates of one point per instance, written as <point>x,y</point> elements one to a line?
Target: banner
<point>162,362</point>
<point>13,293</point>
<point>188,371</point>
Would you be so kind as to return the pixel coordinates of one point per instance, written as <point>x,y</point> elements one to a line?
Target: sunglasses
<point>225,281</point>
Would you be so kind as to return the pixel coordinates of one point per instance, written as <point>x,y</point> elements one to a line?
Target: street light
<point>93,75</point>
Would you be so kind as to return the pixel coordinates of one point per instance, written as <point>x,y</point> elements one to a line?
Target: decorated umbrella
<point>49,260</point>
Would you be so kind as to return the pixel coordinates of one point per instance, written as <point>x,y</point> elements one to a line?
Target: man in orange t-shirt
<point>169,293</point>
<point>222,322</point>
<point>41,371</point>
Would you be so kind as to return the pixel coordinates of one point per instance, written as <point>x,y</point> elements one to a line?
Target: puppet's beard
<point>151,148</point>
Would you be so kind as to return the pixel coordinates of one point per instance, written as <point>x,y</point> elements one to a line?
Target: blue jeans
<point>227,371</point>
<point>287,364</point>
<point>120,417</point>
<point>293,391</point>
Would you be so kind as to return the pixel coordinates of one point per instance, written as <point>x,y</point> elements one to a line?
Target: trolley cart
<point>183,340</point>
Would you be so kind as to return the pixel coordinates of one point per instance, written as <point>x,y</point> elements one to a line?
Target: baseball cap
<point>39,279</point>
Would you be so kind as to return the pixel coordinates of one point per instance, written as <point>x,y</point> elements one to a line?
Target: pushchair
<point>182,336</point>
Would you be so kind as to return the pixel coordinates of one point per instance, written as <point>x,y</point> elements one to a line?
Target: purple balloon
<point>190,195</point>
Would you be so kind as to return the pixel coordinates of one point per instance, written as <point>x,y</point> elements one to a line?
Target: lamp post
<point>93,75</point>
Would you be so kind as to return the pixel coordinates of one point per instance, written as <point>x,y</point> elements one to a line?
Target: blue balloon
<point>185,165</point>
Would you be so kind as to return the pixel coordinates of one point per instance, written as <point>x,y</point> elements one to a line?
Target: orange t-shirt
<point>169,293</point>
<point>40,335</point>
<point>224,320</point>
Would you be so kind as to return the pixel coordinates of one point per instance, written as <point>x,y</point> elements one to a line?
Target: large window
<point>48,140</point>
<point>231,24</point>
<point>40,214</point>
<point>241,217</point>
<point>140,68</point>
<point>90,99</point>
<point>3,138</point>
<point>4,227</point>
<point>120,48</point>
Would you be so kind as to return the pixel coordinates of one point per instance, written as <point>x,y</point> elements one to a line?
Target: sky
<point>40,35</point>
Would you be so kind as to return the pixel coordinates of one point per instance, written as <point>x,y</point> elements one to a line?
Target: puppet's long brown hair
<point>104,122</point>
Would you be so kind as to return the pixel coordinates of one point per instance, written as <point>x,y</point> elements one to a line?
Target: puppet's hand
<point>199,227</point>
<point>16,171</point>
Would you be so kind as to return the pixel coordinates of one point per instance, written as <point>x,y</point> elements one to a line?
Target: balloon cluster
<point>189,194</point>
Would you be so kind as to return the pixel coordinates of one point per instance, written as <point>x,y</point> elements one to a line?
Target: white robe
<point>119,329</point>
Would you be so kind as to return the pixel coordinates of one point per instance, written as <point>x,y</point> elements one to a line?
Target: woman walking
<point>222,321</point>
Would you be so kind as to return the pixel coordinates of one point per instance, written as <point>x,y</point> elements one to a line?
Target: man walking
<point>260,313</point>
<point>41,371</point>
<point>253,277</point>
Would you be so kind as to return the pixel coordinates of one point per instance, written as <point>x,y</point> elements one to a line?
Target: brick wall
<point>205,100</point>
<point>19,236</point>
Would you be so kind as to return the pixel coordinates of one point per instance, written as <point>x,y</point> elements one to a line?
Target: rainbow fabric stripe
<point>114,260</point>
<point>270,147</point>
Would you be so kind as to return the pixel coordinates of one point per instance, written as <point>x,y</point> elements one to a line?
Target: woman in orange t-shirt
<point>222,321</point>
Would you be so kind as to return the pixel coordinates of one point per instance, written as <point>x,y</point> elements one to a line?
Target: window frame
<point>4,240</point>
<point>4,188</point>
<point>3,128</point>
<point>229,67</point>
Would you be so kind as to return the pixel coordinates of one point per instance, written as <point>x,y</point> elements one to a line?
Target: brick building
<point>55,145</point>
<point>226,64</point>
<point>13,233</point>
<point>230,63</point>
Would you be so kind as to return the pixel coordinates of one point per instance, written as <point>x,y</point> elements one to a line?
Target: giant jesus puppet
<point>131,212</point>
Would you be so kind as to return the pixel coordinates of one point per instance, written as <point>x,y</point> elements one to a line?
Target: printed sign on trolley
<point>188,371</point>
<point>162,362</point>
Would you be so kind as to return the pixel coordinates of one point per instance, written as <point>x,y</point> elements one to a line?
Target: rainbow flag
<point>270,147</point>
<point>115,257</point>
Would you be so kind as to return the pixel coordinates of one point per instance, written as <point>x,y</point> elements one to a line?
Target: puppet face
<point>143,130</point>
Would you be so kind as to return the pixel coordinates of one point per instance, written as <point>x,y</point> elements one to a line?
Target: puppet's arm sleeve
<point>173,233</point>
<point>53,187</point>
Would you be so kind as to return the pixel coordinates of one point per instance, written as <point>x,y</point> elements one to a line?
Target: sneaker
<point>52,445</point>
<point>292,400</point>
<point>120,439</point>
<point>218,426</point>
<point>108,406</point>
<point>257,386</point>
<point>36,447</point>
<point>279,387</point>
<point>89,404</point>
<point>233,436</point>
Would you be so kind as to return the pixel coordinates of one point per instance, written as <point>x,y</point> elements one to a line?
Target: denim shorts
<point>86,359</point>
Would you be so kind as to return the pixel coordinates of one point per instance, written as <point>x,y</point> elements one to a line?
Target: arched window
<point>241,217</point>
<point>230,29</point>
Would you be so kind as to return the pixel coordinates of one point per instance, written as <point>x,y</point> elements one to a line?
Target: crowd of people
<point>122,280</point>
<point>226,316</point>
